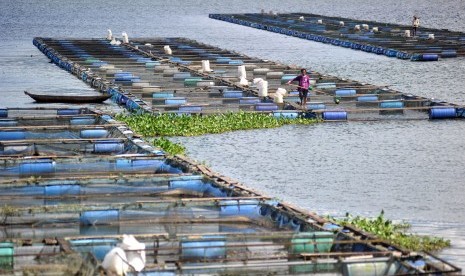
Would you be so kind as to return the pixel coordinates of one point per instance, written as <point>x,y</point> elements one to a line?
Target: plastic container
<point>289,115</point>
<point>345,92</point>
<point>97,217</point>
<point>442,113</point>
<point>3,113</point>
<point>33,168</point>
<point>181,75</point>
<point>12,135</point>
<point>58,190</point>
<point>93,133</point>
<point>232,94</point>
<point>266,107</point>
<point>367,98</point>
<point>8,123</point>
<point>391,104</point>
<point>249,100</point>
<point>334,115</point>
<point>7,255</point>
<point>190,108</point>
<point>82,121</point>
<point>316,106</point>
<point>67,111</point>
<point>311,242</point>
<point>108,147</point>
<point>189,82</point>
<point>162,95</point>
<point>286,78</point>
<point>175,101</point>
<point>205,248</point>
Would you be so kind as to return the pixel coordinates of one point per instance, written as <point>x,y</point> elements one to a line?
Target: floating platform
<point>144,78</point>
<point>391,40</point>
<point>89,181</point>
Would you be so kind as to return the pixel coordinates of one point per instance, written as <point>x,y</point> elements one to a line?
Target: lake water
<point>413,170</point>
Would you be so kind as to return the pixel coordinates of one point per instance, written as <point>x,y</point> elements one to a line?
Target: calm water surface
<point>414,170</point>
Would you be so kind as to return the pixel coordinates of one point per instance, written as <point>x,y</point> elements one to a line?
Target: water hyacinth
<point>394,232</point>
<point>192,125</point>
<point>169,147</point>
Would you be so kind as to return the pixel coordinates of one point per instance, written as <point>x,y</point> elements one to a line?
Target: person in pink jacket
<point>303,87</point>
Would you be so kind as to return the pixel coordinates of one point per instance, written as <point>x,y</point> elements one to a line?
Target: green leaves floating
<point>192,125</point>
<point>394,232</point>
<point>169,147</point>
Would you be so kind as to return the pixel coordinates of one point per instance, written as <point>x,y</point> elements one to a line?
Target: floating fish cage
<point>69,203</point>
<point>195,78</point>
<point>391,40</point>
<point>45,135</point>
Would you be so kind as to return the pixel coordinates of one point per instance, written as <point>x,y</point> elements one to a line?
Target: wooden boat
<point>67,98</point>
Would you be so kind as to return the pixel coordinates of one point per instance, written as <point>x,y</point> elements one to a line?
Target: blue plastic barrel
<point>391,104</point>
<point>325,85</point>
<point>345,92</point>
<point>8,123</point>
<point>175,101</point>
<point>12,135</point>
<point>108,147</point>
<point>223,60</point>
<point>95,217</point>
<point>204,248</point>
<point>68,111</point>
<point>3,112</point>
<point>249,100</point>
<point>190,108</point>
<point>248,208</point>
<point>195,185</point>
<point>367,98</point>
<point>93,133</point>
<point>37,167</point>
<point>449,54</point>
<point>98,247</point>
<point>162,95</point>
<point>82,121</point>
<point>281,114</point>
<point>286,78</point>
<point>181,76</point>
<point>266,107</point>
<point>58,190</point>
<point>442,113</point>
<point>236,62</point>
<point>316,106</point>
<point>335,115</point>
<point>430,57</point>
<point>233,94</point>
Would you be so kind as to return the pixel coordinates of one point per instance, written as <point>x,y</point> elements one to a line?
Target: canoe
<point>67,98</point>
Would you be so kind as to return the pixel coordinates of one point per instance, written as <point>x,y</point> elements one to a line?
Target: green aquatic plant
<point>191,125</point>
<point>395,233</point>
<point>169,147</point>
<point>7,211</point>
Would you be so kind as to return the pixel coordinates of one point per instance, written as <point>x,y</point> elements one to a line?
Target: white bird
<point>302,18</point>
<point>113,41</point>
<point>109,35</point>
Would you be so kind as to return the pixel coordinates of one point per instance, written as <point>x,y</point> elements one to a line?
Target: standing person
<point>304,85</point>
<point>416,24</point>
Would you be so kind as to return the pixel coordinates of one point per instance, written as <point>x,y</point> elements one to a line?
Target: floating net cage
<point>62,214</point>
